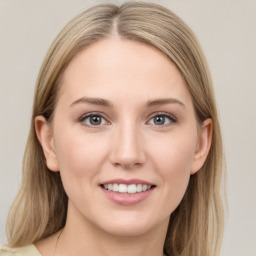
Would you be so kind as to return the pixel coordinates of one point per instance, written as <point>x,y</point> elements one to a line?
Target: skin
<point>127,144</point>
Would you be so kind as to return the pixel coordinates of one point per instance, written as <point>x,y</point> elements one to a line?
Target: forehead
<point>124,67</point>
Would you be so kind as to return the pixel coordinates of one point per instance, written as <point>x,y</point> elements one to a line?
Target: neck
<point>80,237</point>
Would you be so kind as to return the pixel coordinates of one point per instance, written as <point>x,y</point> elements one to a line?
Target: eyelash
<point>172,119</point>
<point>92,114</point>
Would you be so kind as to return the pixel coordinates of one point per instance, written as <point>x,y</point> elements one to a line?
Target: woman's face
<point>124,123</point>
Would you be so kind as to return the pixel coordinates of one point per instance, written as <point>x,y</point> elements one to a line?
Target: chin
<point>127,226</point>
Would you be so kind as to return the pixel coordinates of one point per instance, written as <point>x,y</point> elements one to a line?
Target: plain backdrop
<point>227,33</point>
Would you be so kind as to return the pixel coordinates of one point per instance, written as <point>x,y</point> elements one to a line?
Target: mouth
<point>127,188</point>
<point>127,192</point>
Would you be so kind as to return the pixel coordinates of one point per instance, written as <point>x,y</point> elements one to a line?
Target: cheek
<point>173,159</point>
<point>79,155</point>
<point>174,153</point>
<point>80,158</point>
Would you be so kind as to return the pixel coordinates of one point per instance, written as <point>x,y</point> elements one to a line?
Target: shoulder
<point>29,250</point>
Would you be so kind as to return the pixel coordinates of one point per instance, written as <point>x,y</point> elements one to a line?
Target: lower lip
<point>127,199</point>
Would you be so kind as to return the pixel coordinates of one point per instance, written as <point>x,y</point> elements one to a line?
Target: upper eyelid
<point>163,114</point>
<point>93,113</point>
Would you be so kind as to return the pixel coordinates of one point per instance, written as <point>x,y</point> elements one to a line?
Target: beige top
<point>29,250</point>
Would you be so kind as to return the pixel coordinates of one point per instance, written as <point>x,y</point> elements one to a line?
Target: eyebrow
<point>93,101</point>
<point>155,102</point>
<point>106,103</point>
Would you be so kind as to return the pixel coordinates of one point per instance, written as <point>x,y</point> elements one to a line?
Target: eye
<point>93,119</point>
<point>162,119</point>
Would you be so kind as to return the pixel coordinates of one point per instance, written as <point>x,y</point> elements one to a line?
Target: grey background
<point>227,32</point>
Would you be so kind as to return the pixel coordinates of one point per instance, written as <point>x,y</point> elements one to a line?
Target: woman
<point>124,154</point>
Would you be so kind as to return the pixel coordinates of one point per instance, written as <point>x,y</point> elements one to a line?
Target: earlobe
<point>203,145</point>
<point>45,137</point>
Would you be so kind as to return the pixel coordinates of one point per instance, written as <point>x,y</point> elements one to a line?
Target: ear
<point>45,137</point>
<point>203,145</point>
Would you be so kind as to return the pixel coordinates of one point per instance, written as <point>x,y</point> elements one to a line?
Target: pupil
<point>95,120</point>
<point>159,120</point>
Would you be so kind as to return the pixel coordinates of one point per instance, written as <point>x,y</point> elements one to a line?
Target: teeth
<point>115,187</point>
<point>132,189</point>
<point>139,188</point>
<point>123,188</point>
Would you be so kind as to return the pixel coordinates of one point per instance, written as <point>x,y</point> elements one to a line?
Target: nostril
<point>128,164</point>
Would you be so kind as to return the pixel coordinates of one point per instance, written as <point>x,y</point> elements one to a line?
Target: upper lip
<point>127,182</point>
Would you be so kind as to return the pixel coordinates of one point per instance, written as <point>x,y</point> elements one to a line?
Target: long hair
<point>40,209</point>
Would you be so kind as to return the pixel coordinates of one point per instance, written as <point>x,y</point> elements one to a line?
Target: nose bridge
<point>127,147</point>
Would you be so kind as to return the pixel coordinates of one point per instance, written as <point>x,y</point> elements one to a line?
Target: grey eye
<point>94,120</point>
<point>162,119</point>
<point>159,120</point>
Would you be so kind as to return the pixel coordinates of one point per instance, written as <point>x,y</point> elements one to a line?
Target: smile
<point>125,188</point>
<point>127,192</point>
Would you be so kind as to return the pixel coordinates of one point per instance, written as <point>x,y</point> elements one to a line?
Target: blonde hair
<point>196,226</point>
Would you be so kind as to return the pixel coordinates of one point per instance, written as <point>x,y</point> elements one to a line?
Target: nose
<point>127,149</point>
